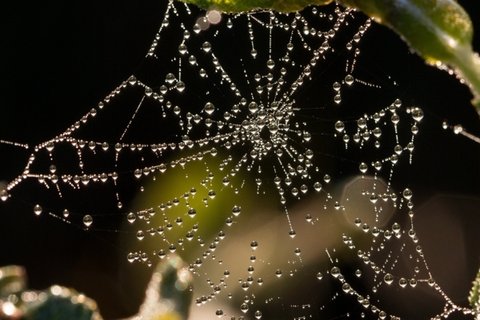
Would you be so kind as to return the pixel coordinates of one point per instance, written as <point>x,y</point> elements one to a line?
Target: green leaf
<point>474,297</point>
<point>65,306</point>
<point>248,5</point>
<point>439,30</point>
<point>169,293</point>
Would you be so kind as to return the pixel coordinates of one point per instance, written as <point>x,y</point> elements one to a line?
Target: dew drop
<point>339,126</point>
<point>192,212</point>
<point>87,220</point>
<point>362,123</point>
<point>182,49</point>
<point>335,272</point>
<point>161,253</point>
<point>37,209</point>
<point>336,86</point>
<point>169,78</point>
<point>131,257</point>
<point>413,283</point>
<point>388,278</point>
<point>349,79</point>
<point>417,114</point>
<point>209,108</point>
<point>236,210</point>
<point>206,46</point>
<point>363,167</point>
<point>270,64</point>
<point>180,86</point>
<point>407,194</point>
<point>4,195</point>
<point>337,99</point>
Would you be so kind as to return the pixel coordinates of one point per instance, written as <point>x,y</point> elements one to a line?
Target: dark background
<point>58,59</point>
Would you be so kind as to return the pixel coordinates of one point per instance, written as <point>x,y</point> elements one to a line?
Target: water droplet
<point>339,126</point>
<point>336,86</point>
<point>253,107</point>
<point>161,253</point>
<point>349,79</point>
<point>236,210</point>
<point>363,167</point>
<point>362,123</point>
<point>335,272</point>
<point>270,64</point>
<point>396,228</point>
<point>192,212</point>
<point>407,194</point>
<point>413,283</point>
<point>327,178</point>
<point>388,278</point>
<point>206,46</point>
<point>4,195</point>
<point>131,257</point>
<point>87,220</point>
<point>37,209</point>
<point>402,282</point>
<point>417,114</point>
<point>182,49</point>
<point>337,98</point>
<point>209,108</point>
<point>170,79</point>
<point>180,86</point>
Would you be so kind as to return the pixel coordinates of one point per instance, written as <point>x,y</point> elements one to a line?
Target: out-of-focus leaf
<point>248,5</point>
<point>439,30</point>
<point>16,302</point>
<point>168,297</point>
<point>474,297</point>
<point>169,293</point>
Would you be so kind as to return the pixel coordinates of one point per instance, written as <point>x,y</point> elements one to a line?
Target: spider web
<point>255,147</point>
